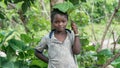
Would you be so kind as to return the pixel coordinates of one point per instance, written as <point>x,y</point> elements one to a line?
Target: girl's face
<point>59,22</point>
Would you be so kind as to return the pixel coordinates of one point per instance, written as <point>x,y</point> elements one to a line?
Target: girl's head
<point>59,20</point>
<point>56,11</point>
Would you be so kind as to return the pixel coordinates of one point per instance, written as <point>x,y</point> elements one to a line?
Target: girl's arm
<point>76,45</point>
<point>41,56</point>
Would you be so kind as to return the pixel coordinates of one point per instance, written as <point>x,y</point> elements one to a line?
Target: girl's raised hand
<point>74,27</point>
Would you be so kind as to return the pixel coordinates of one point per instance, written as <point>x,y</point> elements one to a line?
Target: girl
<point>62,44</point>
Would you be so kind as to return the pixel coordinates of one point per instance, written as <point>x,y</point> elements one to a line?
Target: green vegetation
<point>24,22</point>
<point>99,28</point>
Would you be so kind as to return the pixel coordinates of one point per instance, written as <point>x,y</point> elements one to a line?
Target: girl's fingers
<point>74,26</point>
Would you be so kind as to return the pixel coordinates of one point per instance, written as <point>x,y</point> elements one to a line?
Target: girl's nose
<point>60,23</point>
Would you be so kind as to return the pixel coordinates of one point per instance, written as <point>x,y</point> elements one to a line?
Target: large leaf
<point>4,37</point>
<point>64,7</point>
<point>105,52</point>
<point>25,6</point>
<point>17,45</point>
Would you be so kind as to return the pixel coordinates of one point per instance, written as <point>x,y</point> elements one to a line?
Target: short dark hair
<point>56,11</point>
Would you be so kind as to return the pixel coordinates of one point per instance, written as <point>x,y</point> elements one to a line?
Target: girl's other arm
<point>76,45</point>
<point>41,56</point>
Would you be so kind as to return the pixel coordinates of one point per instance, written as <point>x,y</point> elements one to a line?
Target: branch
<point>118,39</point>
<point>93,31</point>
<point>108,25</point>
<point>114,42</point>
<point>24,20</point>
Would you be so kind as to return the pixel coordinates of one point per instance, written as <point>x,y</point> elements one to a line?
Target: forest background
<point>24,22</point>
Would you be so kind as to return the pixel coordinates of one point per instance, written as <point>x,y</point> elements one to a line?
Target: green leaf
<point>25,38</point>
<point>2,15</point>
<point>8,65</point>
<point>5,37</point>
<point>105,52</point>
<point>17,45</point>
<point>17,1</point>
<point>64,7</point>
<point>36,26</point>
<point>25,6</point>
<point>32,1</point>
<point>84,40</point>
<point>20,64</point>
<point>38,63</point>
<point>9,34</point>
<point>116,62</point>
<point>90,48</point>
<point>83,0</point>
<point>117,66</point>
<point>1,37</point>
<point>75,2</point>
<point>119,40</point>
<point>12,58</point>
<point>101,59</point>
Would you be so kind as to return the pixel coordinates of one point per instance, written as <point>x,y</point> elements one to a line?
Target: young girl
<point>62,44</point>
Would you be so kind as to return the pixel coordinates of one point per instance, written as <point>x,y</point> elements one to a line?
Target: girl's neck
<point>60,32</point>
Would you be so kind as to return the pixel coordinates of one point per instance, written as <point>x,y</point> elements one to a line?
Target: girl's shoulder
<point>46,36</point>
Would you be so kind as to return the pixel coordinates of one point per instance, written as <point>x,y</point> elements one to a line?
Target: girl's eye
<point>56,21</point>
<point>63,21</point>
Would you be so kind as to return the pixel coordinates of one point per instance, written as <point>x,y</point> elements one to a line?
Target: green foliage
<point>18,53</point>
<point>103,56</point>
<point>16,45</point>
<point>4,37</point>
<point>119,40</point>
<point>38,63</point>
<point>84,40</point>
<point>116,63</point>
<point>74,2</point>
<point>90,58</point>
<point>2,15</point>
<point>64,7</point>
<point>105,52</point>
<point>26,38</point>
<point>26,3</point>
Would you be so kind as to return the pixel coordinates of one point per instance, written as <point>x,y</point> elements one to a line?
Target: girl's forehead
<point>59,16</point>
